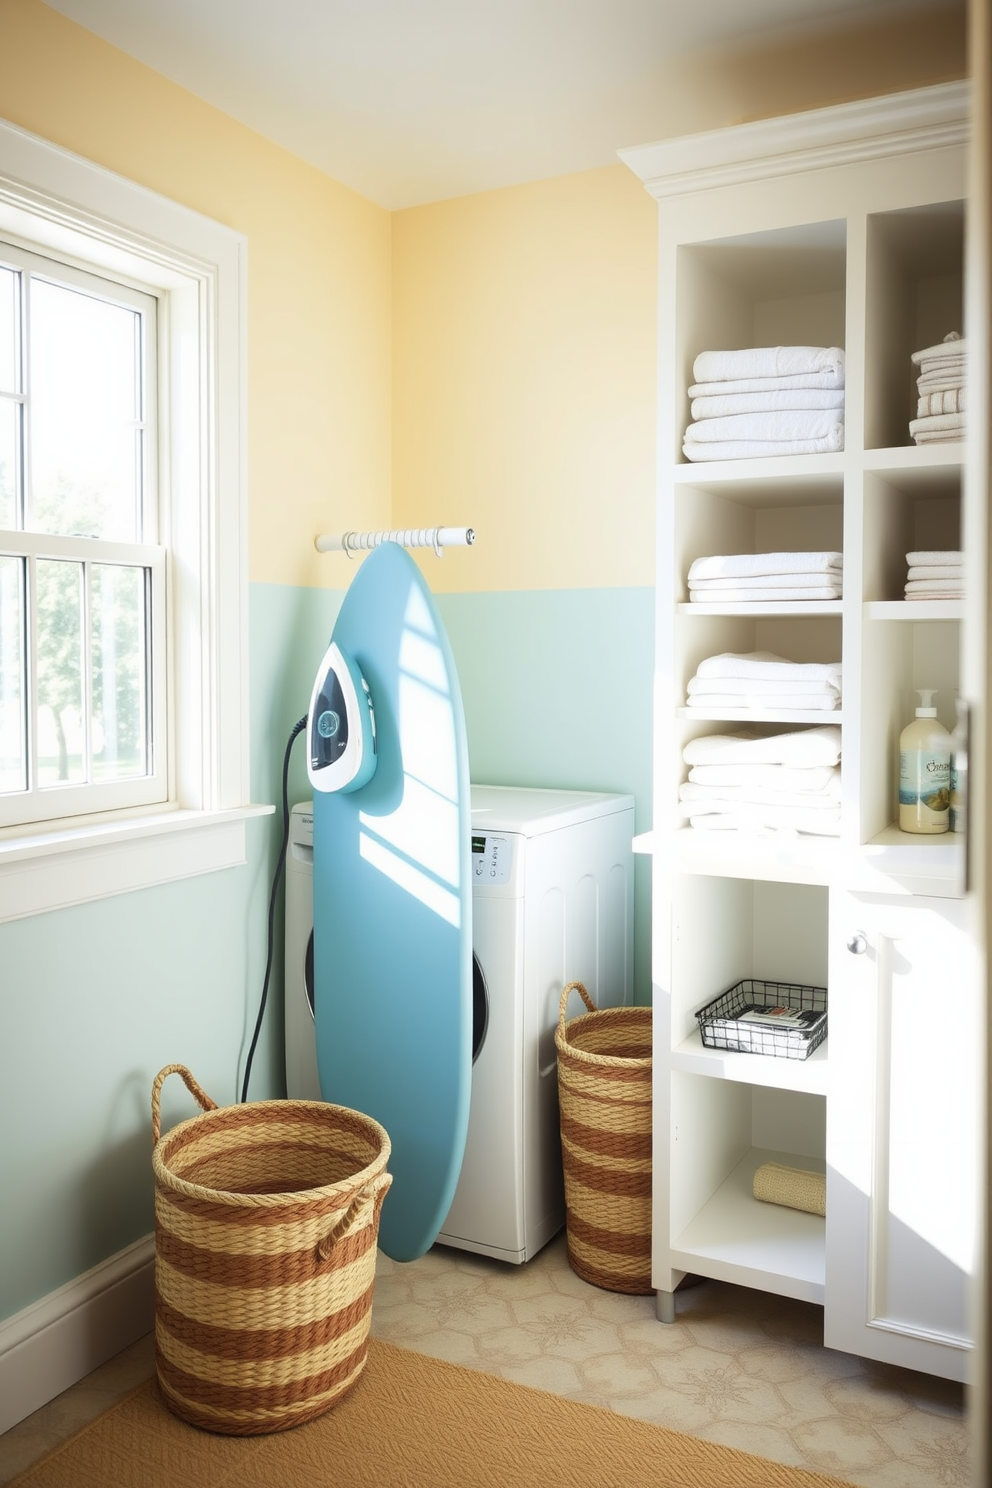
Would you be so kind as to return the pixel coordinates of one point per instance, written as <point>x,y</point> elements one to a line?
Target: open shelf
<point>777,859</point>
<point>736,1238</point>
<point>808,1075</point>
<point>771,607</point>
<point>914,609</point>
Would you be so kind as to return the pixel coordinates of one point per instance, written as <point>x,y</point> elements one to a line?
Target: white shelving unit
<point>838,227</point>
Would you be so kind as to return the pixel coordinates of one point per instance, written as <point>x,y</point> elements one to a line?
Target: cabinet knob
<point>857,943</point>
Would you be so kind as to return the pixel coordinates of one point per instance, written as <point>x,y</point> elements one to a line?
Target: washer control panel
<point>492,858</point>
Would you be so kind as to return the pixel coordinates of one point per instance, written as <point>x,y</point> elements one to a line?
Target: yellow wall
<point>318,274</point>
<point>524,327</point>
<point>488,360</point>
<point>524,378</point>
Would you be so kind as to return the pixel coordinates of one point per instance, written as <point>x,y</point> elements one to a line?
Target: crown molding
<point>792,144</point>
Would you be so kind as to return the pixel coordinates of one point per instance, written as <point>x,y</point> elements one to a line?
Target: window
<point>130,638</point>
<point>83,715</point>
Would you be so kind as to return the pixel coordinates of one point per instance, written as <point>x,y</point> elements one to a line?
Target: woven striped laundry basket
<point>266,1222</point>
<point>604,1098</point>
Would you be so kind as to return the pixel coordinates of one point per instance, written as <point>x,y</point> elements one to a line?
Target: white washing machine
<point>552,903</point>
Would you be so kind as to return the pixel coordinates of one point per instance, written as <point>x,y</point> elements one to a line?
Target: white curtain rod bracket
<point>437,538</point>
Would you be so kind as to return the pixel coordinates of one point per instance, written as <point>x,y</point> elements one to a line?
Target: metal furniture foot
<point>664,1307</point>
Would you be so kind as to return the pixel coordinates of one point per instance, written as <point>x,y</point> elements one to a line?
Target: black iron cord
<point>276,877</point>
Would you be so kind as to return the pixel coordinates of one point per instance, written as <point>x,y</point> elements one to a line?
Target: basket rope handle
<point>194,1089</point>
<point>573,987</point>
<point>374,1191</point>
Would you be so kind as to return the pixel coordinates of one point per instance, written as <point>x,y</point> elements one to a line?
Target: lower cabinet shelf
<point>736,1238</point>
<point>807,1075</point>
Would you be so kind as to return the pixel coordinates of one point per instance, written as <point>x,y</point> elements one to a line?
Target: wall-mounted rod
<point>409,537</point>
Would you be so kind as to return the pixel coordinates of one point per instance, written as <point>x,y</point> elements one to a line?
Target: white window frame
<point>56,200</point>
<point>52,802</point>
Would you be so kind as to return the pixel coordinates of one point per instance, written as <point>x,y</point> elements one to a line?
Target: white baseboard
<point>55,1342</point>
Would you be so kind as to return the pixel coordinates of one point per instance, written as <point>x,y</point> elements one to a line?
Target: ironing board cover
<point>392,904</point>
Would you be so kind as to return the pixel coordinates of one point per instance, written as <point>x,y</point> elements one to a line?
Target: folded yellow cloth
<point>796,1188</point>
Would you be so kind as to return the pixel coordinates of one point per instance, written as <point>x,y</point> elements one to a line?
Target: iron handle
<point>857,943</point>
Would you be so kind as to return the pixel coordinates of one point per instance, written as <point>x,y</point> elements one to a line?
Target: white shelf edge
<point>911,610</point>
<point>778,607</point>
<point>736,1238</point>
<point>766,715</point>
<point>891,862</point>
<point>914,456</point>
<point>813,468</point>
<point>808,1076</point>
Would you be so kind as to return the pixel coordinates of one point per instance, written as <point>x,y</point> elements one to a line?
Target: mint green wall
<point>557,687</point>
<point>95,1000</point>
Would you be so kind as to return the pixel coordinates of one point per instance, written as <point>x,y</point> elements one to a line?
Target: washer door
<point>480,1007</point>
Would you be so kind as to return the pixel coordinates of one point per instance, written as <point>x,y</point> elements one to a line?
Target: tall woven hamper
<point>604,1098</point>
<point>266,1222</point>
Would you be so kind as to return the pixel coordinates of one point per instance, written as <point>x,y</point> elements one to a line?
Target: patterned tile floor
<point>738,1366</point>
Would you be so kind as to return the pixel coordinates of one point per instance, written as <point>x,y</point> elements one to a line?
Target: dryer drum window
<point>480,998</point>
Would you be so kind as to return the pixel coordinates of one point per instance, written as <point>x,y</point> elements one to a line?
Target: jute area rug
<point>409,1422</point>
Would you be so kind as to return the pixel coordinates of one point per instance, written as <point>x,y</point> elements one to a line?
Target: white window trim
<point>60,201</point>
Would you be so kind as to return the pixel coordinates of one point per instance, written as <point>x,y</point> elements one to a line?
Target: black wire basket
<point>784,1019</point>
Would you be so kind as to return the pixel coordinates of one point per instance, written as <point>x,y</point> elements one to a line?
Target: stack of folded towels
<point>935,574</point>
<point>754,577</point>
<point>763,682</point>
<point>940,409</point>
<point>782,783</point>
<point>770,400</point>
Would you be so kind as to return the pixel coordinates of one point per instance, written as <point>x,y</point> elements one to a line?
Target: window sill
<point>56,869</point>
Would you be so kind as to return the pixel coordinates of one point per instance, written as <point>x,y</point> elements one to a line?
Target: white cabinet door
<point>902,1131</point>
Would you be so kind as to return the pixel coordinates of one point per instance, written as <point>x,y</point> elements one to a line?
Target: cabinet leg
<point>664,1307</point>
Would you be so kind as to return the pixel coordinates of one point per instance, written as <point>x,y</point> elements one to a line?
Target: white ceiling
<point>408,101</point>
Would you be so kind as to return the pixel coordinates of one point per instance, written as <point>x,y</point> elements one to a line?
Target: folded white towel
<point>761,449</point>
<point>750,565</point>
<point>811,780</point>
<point>753,595</point>
<point>934,586</point>
<point>932,404</point>
<point>769,361</point>
<point>768,819</point>
<point>799,749</point>
<point>941,380</point>
<point>953,363</point>
<point>939,436</point>
<point>765,702</point>
<point>702,686</point>
<point>724,405</point>
<point>726,386</point>
<point>724,797</point>
<point>769,667</point>
<point>953,347</point>
<point>939,557</point>
<point>827,577</point>
<point>938,428</point>
<point>936,594</point>
<point>789,424</point>
<point>936,571</point>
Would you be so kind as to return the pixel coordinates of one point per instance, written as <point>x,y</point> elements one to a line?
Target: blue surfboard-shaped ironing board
<point>392,904</point>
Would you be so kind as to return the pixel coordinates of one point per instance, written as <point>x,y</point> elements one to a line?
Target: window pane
<point>120,683</point>
<point>13,731</point>
<point>84,390</point>
<point>60,672</point>
<point>9,318</point>
<point>10,418</point>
